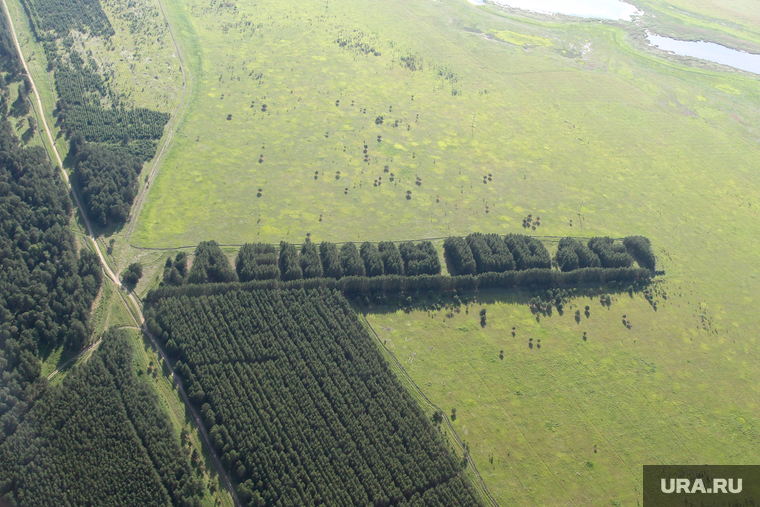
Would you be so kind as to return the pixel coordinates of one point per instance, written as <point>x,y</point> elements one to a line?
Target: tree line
<point>101,438</point>
<point>387,269</point>
<point>395,284</point>
<point>301,405</point>
<point>261,261</point>
<point>483,253</point>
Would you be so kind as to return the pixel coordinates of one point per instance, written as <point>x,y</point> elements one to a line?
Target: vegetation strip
<point>179,112</point>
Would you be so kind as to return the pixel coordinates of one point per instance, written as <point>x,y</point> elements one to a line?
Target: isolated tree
<point>132,274</point>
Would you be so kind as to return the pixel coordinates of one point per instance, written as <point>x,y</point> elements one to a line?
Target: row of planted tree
<point>475,261</point>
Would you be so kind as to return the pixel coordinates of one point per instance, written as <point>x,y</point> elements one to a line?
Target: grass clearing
<point>570,421</point>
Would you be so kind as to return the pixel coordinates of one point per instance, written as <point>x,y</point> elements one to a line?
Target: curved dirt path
<point>115,279</point>
<point>176,117</point>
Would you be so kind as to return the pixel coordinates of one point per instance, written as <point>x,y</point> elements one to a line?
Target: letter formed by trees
<point>393,264</point>
<point>373,262</point>
<point>528,252</point>
<point>290,264</point>
<point>311,264</point>
<point>611,254</point>
<point>459,255</point>
<point>640,248</point>
<point>573,254</point>
<point>210,265</point>
<point>420,258</point>
<point>331,265</point>
<point>257,261</point>
<point>490,253</point>
<point>351,261</point>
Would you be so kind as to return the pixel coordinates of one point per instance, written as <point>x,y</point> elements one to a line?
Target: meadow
<point>485,117</point>
<point>561,412</point>
<point>580,119</point>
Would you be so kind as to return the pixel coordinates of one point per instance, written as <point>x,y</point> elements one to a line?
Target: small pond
<point>708,51</point>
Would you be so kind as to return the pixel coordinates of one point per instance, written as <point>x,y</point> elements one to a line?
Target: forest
<point>56,18</point>
<point>46,288</point>
<point>301,405</point>
<point>108,182</point>
<point>101,438</point>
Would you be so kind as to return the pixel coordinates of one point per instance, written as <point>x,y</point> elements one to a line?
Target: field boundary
<point>483,489</point>
<point>176,118</point>
<point>437,238</point>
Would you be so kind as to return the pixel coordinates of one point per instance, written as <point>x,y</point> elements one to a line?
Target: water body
<point>708,51</point>
<point>597,9</point>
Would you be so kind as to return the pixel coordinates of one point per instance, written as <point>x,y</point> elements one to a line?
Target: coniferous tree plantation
<point>301,405</point>
<point>211,265</point>
<point>100,438</point>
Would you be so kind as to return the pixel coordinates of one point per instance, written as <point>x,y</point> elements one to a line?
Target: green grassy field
<point>570,422</point>
<point>555,125</point>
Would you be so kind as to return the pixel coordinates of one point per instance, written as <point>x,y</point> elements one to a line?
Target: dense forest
<point>301,405</point>
<point>101,438</point>
<point>46,290</point>
<point>56,18</point>
<point>108,141</point>
<point>107,180</point>
<point>210,265</point>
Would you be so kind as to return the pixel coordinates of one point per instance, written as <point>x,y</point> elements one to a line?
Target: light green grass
<point>663,392</point>
<point>605,128</point>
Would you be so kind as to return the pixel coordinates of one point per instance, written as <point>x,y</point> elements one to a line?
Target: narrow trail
<point>91,347</point>
<point>176,117</point>
<point>436,407</point>
<point>115,279</point>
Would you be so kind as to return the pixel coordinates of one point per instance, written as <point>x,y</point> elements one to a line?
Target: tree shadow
<point>27,135</point>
